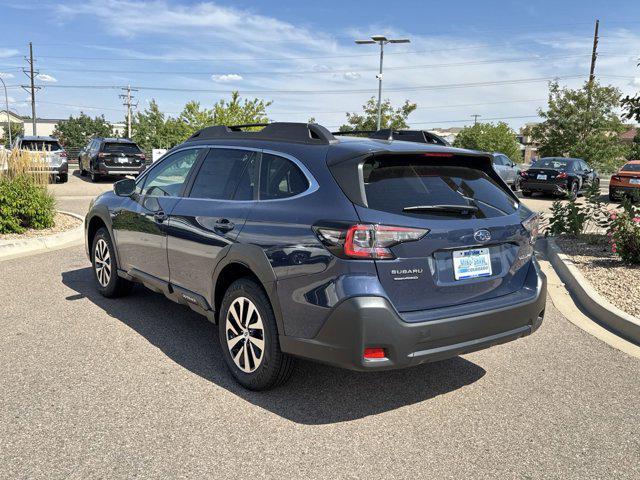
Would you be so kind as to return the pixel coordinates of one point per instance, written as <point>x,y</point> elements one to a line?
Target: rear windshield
<point>128,148</point>
<point>552,163</point>
<point>631,167</point>
<point>49,145</point>
<point>396,183</point>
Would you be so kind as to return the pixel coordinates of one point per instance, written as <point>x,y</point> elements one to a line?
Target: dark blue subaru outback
<point>363,253</point>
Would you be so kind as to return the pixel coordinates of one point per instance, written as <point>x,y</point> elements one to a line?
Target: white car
<point>55,156</point>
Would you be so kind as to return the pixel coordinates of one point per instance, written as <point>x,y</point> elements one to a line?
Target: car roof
<point>115,140</point>
<point>568,159</point>
<point>39,137</point>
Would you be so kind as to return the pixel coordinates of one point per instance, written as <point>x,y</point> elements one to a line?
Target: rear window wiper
<point>460,209</point>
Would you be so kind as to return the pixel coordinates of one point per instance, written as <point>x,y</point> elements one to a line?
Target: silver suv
<point>54,155</point>
<point>508,170</point>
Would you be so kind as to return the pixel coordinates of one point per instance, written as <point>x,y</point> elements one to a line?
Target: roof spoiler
<point>308,133</point>
<point>417,136</point>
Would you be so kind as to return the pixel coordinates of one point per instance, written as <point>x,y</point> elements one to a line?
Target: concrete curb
<point>20,247</point>
<point>594,304</point>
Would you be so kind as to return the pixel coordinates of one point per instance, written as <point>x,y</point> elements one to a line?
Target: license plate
<point>635,181</point>
<point>541,177</point>
<point>471,263</point>
<point>122,160</point>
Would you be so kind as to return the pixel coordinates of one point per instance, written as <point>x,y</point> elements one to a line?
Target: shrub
<point>24,204</point>
<point>624,231</point>
<point>569,218</point>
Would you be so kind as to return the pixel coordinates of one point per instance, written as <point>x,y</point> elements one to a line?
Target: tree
<point>582,123</point>
<point>195,118</point>
<point>634,151</point>
<point>490,137</point>
<point>150,129</point>
<point>77,131</point>
<point>16,130</point>
<point>235,112</point>
<point>395,118</point>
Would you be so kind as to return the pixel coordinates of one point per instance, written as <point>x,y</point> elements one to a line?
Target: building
<point>46,126</point>
<point>449,134</point>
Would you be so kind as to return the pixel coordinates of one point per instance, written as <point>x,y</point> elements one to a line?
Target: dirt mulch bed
<point>616,281</point>
<point>62,223</point>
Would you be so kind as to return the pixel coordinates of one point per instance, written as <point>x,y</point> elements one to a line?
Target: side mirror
<point>124,187</point>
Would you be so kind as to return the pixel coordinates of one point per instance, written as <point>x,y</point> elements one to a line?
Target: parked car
<point>358,253</point>
<point>626,182</point>
<point>54,155</point>
<point>508,170</point>
<point>558,176</point>
<point>111,156</point>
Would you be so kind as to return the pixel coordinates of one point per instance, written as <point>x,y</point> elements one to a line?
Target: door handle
<point>224,225</point>
<point>160,216</point>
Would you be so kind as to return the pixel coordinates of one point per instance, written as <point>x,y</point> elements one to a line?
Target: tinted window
<point>397,182</point>
<point>126,148</point>
<point>497,160</point>
<point>631,167</point>
<point>552,163</point>
<point>167,178</point>
<point>49,145</point>
<point>226,174</point>
<point>280,178</point>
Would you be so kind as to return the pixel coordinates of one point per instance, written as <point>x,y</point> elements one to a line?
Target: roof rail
<point>309,133</point>
<point>418,136</point>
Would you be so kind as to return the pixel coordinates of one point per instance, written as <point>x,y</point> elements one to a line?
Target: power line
<point>331,91</point>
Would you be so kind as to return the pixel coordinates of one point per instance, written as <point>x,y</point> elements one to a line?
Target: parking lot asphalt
<point>97,388</point>
<point>136,387</point>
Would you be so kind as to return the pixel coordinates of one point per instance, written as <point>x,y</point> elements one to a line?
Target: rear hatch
<point>121,154</point>
<point>476,246</point>
<point>629,174</point>
<point>50,150</point>
<point>547,170</point>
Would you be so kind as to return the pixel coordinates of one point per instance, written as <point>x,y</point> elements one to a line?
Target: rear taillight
<point>524,174</point>
<point>141,155</point>
<point>532,225</point>
<point>63,154</point>
<point>367,241</point>
<point>562,175</point>
<point>616,178</point>
<point>102,155</point>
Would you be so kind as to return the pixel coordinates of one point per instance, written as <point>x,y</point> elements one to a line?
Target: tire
<point>257,369</point>
<point>83,172</point>
<point>516,185</point>
<point>526,193</point>
<point>573,191</point>
<point>64,177</point>
<point>105,267</point>
<point>95,177</point>
<point>613,198</point>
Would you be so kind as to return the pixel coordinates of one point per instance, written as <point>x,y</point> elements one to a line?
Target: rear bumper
<point>615,190</point>
<point>55,170</point>
<point>371,321</point>
<point>119,170</point>
<point>544,187</point>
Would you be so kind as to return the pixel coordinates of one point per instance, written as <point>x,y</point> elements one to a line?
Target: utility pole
<point>6,101</point>
<point>594,54</point>
<point>31,74</point>
<point>475,118</point>
<point>128,102</point>
<point>382,40</point>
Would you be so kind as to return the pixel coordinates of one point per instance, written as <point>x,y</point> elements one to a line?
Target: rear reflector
<point>374,353</point>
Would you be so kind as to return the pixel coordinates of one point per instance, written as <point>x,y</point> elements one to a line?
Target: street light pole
<point>381,40</point>
<point>6,101</point>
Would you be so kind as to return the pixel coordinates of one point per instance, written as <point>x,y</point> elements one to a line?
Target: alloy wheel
<point>245,334</point>
<point>102,260</point>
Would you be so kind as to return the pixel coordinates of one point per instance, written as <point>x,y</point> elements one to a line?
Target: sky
<point>489,58</point>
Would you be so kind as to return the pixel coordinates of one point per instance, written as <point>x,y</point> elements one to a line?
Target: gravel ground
<point>616,281</point>
<point>62,223</point>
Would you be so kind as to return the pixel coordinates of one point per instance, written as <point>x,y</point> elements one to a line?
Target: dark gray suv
<point>362,253</point>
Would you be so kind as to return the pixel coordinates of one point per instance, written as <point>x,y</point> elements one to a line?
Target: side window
<point>226,174</point>
<point>167,178</point>
<point>497,160</point>
<point>506,160</point>
<point>280,178</point>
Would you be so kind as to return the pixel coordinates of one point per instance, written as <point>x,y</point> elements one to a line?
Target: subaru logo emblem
<point>482,235</point>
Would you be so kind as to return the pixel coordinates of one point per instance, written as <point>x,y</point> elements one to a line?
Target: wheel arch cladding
<point>246,261</point>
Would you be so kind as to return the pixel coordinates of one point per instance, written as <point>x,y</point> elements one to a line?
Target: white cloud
<point>351,76</point>
<point>227,78</point>
<point>635,82</point>
<point>4,75</point>
<point>8,52</point>
<point>43,77</point>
